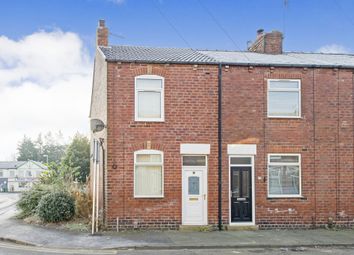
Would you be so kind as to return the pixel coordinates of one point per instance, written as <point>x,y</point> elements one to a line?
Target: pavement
<point>16,231</point>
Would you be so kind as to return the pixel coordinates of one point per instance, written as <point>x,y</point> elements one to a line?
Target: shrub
<point>30,199</point>
<point>83,201</point>
<point>56,206</point>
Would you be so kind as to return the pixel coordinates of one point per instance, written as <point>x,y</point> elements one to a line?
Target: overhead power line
<point>343,12</point>
<point>164,16</point>
<point>221,27</point>
<point>117,35</point>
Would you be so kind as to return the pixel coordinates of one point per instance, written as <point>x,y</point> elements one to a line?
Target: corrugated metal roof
<point>285,59</point>
<point>11,164</point>
<point>158,55</point>
<point>181,55</point>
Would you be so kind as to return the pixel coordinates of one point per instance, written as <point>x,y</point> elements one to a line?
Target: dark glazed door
<point>241,194</point>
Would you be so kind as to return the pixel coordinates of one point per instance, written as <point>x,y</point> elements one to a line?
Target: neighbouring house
<point>17,176</point>
<point>222,138</point>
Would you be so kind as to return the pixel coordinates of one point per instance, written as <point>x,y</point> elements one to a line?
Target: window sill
<point>149,197</point>
<point>149,120</point>
<point>284,117</point>
<point>286,197</point>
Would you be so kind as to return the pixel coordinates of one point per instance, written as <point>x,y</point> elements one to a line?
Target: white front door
<point>194,196</point>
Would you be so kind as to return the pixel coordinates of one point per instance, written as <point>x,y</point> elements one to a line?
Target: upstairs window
<point>284,98</point>
<point>149,98</point>
<point>148,174</point>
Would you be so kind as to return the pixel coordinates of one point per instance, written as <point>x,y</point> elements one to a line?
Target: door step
<point>240,228</point>
<point>196,228</point>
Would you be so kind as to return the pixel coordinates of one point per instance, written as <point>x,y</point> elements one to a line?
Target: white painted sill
<point>158,197</point>
<point>150,120</point>
<point>248,223</point>
<point>285,196</point>
<point>284,117</point>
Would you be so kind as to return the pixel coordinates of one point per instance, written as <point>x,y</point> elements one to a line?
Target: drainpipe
<point>219,147</point>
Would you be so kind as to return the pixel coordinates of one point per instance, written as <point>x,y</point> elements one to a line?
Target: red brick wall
<point>323,137</point>
<point>190,117</point>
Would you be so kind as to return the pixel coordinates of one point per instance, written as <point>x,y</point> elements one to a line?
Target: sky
<point>47,47</point>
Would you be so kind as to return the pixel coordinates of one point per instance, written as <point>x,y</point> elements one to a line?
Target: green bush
<point>56,206</point>
<point>30,199</point>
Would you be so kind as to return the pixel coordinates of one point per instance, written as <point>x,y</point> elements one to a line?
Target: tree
<point>27,150</point>
<point>52,148</point>
<point>77,158</point>
<point>42,149</point>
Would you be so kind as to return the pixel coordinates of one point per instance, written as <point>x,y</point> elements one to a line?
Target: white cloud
<point>45,86</point>
<point>333,48</point>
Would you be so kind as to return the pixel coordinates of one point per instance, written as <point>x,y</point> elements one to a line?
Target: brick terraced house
<point>258,138</point>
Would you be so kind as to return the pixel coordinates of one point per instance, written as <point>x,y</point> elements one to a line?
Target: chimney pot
<point>101,23</point>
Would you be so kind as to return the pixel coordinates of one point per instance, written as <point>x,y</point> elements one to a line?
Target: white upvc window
<point>149,98</point>
<point>148,174</point>
<point>284,98</point>
<point>284,175</point>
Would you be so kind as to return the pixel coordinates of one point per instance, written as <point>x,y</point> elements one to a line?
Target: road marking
<point>55,250</point>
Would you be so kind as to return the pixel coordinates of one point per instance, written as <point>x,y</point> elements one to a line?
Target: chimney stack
<point>102,34</point>
<point>268,43</point>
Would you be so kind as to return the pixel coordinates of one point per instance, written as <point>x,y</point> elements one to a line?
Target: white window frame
<point>284,90</point>
<point>151,77</point>
<point>149,152</point>
<point>282,164</point>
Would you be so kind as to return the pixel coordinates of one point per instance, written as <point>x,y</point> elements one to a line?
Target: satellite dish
<point>97,125</point>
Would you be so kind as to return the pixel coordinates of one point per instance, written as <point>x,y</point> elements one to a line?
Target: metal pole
<point>97,192</point>
<point>93,188</point>
<point>97,181</point>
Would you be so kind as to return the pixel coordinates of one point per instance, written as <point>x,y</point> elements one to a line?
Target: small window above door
<point>194,161</point>
<point>240,160</point>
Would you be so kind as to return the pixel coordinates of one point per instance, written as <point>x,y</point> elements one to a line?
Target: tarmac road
<point>8,205</point>
<point>15,249</point>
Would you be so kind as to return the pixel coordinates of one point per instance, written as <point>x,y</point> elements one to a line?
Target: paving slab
<point>18,231</point>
